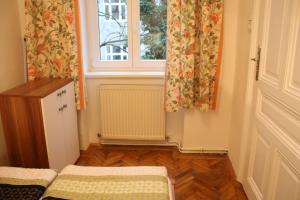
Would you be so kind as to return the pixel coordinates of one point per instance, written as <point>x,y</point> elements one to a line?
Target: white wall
<point>11,56</point>
<point>210,131</point>
<point>193,129</point>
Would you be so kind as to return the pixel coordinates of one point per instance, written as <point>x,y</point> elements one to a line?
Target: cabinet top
<point>37,88</point>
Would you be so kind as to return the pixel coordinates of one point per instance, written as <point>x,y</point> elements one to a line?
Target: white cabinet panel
<point>286,180</point>
<point>60,123</point>
<point>275,27</point>
<point>260,162</point>
<point>286,120</point>
<point>53,118</point>
<point>276,37</point>
<point>70,123</point>
<point>259,167</point>
<point>295,80</point>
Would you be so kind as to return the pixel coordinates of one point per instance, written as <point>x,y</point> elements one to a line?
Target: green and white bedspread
<point>25,184</point>
<point>116,183</point>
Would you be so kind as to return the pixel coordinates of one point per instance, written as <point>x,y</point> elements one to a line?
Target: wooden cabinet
<point>40,124</point>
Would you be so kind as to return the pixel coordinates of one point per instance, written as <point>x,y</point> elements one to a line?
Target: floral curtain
<point>53,42</point>
<point>193,54</point>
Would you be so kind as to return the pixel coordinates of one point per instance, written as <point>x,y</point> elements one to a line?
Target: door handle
<point>257,60</point>
<point>61,93</point>
<point>63,107</point>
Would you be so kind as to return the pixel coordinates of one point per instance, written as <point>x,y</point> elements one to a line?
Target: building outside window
<point>132,32</point>
<point>113,29</point>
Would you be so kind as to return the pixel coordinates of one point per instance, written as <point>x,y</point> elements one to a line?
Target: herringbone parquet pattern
<point>196,176</point>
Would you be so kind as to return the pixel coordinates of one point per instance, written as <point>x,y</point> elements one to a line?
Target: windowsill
<point>118,74</point>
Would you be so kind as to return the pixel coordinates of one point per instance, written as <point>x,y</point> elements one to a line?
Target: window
<point>153,25</point>
<point>128,34</point>
<point>113,30</point>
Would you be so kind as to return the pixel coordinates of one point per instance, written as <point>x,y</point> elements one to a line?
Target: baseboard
<point>162,143</point>
<point>209,151</point>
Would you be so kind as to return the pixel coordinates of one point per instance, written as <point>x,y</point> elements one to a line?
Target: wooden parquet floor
<point>196,176</point>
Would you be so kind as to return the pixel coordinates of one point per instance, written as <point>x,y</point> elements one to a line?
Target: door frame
<point>250,103</point>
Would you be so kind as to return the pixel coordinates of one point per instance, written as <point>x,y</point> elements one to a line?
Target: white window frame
<point>134,62</point>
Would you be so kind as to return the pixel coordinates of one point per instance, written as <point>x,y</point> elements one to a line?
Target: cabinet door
<point>54,132</point>
<point>70,123</point>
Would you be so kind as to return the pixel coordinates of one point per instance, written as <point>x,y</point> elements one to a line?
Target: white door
<point>274,166</point>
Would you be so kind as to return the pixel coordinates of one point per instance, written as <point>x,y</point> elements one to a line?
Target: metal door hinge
<point>257,60</point>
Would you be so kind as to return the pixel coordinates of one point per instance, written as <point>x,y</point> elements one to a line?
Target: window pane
<point>153,20</point>
<point>123,12</point>
<point>115,12</point>
<point>117,57</point>
<point>113,29</point>
<point>116,49</point>
<point>107,12</point>
<point>107,49</point>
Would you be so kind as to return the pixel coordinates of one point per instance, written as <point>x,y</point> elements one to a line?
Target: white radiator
<point>132,112</point>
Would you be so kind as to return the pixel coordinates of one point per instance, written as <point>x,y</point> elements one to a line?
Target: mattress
<point>25,184</point>
<point>113,183</point>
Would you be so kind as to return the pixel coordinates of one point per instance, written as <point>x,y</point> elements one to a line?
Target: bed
<point>25,184</point>
<point>76,182</point>
<point>111,183</point>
